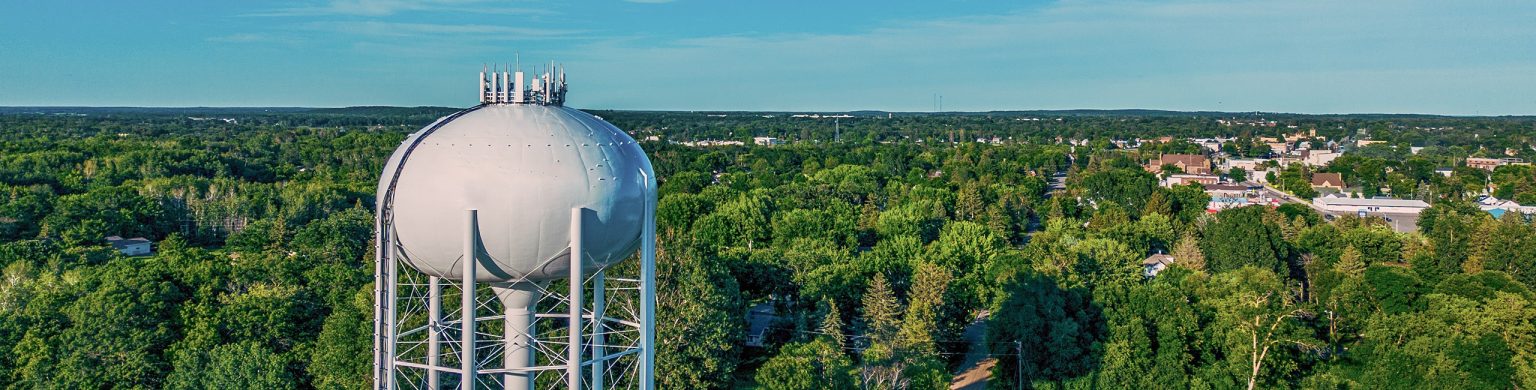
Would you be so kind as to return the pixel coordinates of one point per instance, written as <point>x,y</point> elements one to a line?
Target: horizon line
<point>1260,112</point>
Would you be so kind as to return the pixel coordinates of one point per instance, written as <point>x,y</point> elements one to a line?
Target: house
<point>1155,264</point>
<point>759,320</point>
<point>1187,163</point>
<point>136,246</point>
<point>1443,171</point>
<point>1328,180</point>
<point>766,141</point>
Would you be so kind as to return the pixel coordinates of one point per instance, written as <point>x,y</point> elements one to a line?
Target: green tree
<point>817,364</point>
<point>1129,187</point>
<point>245,365</point>
<point>1159,203</point>
<point>1259,322</point>
<point>1237,174</point>
<point>1242,237</point>
<point>879,364</point>
<point>1187,253</point>
<point>342,356</point>
<point>1350,264</point>
<point>1449,226</point>
<point>1060,332</point>
<point>699,321</point>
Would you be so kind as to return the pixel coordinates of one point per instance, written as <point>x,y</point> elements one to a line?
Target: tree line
<point>875,253</point>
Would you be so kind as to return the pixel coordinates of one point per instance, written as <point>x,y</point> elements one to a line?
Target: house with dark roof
<point>136,246</point>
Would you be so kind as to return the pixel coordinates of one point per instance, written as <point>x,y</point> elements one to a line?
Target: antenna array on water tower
<point>502,231</point>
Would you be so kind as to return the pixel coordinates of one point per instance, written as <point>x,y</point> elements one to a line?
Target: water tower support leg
<point>383,286</point>
<point>434,333</point>
<point>599,353</point>
<point>467,324</point>
<point>648,296</point>
<point>573,358</point>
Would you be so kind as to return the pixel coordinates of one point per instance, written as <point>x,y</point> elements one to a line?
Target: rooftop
<point>1158,259</point>
<point>1346,202</point>
<point>120,243</point>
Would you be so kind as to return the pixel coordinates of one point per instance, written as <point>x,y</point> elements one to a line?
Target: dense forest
<point>878,239</point>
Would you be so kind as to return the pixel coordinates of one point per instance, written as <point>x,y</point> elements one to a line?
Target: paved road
<point>977,369</point>
<point>1273,193</point>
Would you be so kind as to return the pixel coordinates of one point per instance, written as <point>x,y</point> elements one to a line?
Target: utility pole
<point>1019,362</point>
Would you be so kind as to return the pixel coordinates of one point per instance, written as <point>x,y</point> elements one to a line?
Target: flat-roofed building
<point>1318,158</point>
<point>1342,205</point>
<point>1227,196</point>
<point>1489,164</point>
<point>1182,179</point>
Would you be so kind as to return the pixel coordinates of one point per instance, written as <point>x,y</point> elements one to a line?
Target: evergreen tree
<point>831,327</point>
<point>879,366</point>
<point>1350,264</point>
<point>923,367</point>
<point>1159,204</point>
<point>1187,253</point>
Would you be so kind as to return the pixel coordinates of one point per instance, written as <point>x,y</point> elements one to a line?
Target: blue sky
<point>1446,57</point>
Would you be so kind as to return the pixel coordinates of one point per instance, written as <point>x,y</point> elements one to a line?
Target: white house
<point>131,246</point>
<point>1155,264</point>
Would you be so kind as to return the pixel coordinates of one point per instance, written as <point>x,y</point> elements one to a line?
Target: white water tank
<point>523,167</point>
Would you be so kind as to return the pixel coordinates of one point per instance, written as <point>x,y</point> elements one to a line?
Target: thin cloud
<point>466,31</point>
<point>381,8</point>
<point>239,38</point>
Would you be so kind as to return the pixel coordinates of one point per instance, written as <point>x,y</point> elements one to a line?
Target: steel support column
<point>467,324</point>
<point>573,353</point>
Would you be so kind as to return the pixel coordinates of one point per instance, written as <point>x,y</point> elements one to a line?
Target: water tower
<point>502,231</point>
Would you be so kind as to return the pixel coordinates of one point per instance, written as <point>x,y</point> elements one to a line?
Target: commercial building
<point>1489,164</point>
<point>1318,158</point>
<point>1340,205</point>
<point>1227,196</point>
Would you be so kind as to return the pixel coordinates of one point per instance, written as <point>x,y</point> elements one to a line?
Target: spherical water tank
<point>523,167</point>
